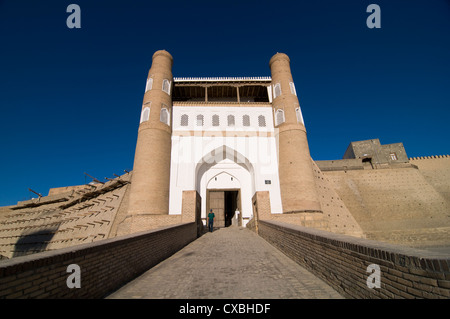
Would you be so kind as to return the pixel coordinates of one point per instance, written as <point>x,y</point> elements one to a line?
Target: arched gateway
<point>227,139</point>
<point>225,181</point>
<point>225,168</point>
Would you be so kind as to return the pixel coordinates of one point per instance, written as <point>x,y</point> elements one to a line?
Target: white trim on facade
<point>145,114</point>
<point>222,79</point>
<point>149,84</point>
<point>251,159</point>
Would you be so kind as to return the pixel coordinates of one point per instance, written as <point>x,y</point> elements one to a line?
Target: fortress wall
<point>128,224</point>
<point>342,262</point>
<point>104,265</point>
<point>344,164</point>
<point>396,205</point>
<point>60,190</point>
<point>61,220</point>
<point>335,218</point>
<point>340,220</point>
<point>4,211</point>
<point>436,170</point>
<point>142,222</point>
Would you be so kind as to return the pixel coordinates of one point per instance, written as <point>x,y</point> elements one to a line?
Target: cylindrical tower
<point>297,185</point>
<point>150,183</point>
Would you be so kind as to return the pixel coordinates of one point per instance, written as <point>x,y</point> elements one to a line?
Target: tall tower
<point>149,193</point>
<point>297,185</point>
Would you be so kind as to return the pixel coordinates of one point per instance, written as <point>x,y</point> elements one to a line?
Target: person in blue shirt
<point>211,220</point>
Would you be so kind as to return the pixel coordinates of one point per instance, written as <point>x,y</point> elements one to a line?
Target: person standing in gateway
<point>211,220</point>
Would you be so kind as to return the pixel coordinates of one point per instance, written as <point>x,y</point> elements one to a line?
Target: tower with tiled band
<point>150,185</point>
<point>297,185</point>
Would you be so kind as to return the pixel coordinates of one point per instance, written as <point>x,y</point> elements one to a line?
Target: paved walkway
<point>230,263</point>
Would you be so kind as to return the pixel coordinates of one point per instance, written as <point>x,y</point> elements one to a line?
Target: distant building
<point>372,151</point>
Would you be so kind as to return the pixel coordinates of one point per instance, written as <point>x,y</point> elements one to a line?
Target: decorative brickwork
<point>78,216</point>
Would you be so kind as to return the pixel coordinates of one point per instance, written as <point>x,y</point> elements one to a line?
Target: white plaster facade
<point>221,153</point>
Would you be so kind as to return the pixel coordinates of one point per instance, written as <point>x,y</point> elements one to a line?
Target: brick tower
<point>149,193</point>
<point>297,185</point>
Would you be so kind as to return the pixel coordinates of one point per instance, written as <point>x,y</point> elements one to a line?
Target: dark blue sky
<point>70,99</point>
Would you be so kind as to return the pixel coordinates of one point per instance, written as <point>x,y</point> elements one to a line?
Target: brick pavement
<point>230,263</point>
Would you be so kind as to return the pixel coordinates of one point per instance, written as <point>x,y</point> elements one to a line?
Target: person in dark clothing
<point>211,220</point>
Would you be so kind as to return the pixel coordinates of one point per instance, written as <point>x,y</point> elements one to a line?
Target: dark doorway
<point>224,204</point>
<point>231,203</point>
<point>216,202</point>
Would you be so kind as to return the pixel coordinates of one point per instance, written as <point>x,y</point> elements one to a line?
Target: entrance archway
<point>223,197</point>
<point>225,182</point>
<point>225,204</point>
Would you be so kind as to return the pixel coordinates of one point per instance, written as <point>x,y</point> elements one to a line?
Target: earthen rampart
<point>401,204</point>
<point>81,215</point>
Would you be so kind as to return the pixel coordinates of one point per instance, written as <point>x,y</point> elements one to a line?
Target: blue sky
<point>71,98</point>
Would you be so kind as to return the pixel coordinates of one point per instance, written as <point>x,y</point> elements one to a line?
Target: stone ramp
<point>230,263</point>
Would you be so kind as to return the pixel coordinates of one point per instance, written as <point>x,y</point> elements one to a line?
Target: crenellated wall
<point>428,157</point>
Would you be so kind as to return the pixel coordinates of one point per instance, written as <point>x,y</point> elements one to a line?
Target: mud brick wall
<point>342,262</point>
<point>105,265</point>
<point>401,201</point>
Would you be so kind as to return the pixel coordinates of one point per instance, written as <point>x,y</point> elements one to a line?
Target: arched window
<point>279,117</point>
<point>230,119</point>
<point>261,121</point>
<point>215,120</point>
<point>246,120</point>
<point>299,115</point>
<point>164,116</point>
<point>149,85</point>
<point>276,90</point>
<point>166,86</point>
<point>200,120</point>
<point>292,86</point>
<point>145,114</point>
<point>184,120</point>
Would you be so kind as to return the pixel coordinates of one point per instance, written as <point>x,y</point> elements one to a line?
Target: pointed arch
<point>213,157</point>
<point>145,114</point>
<point>233,181</point>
